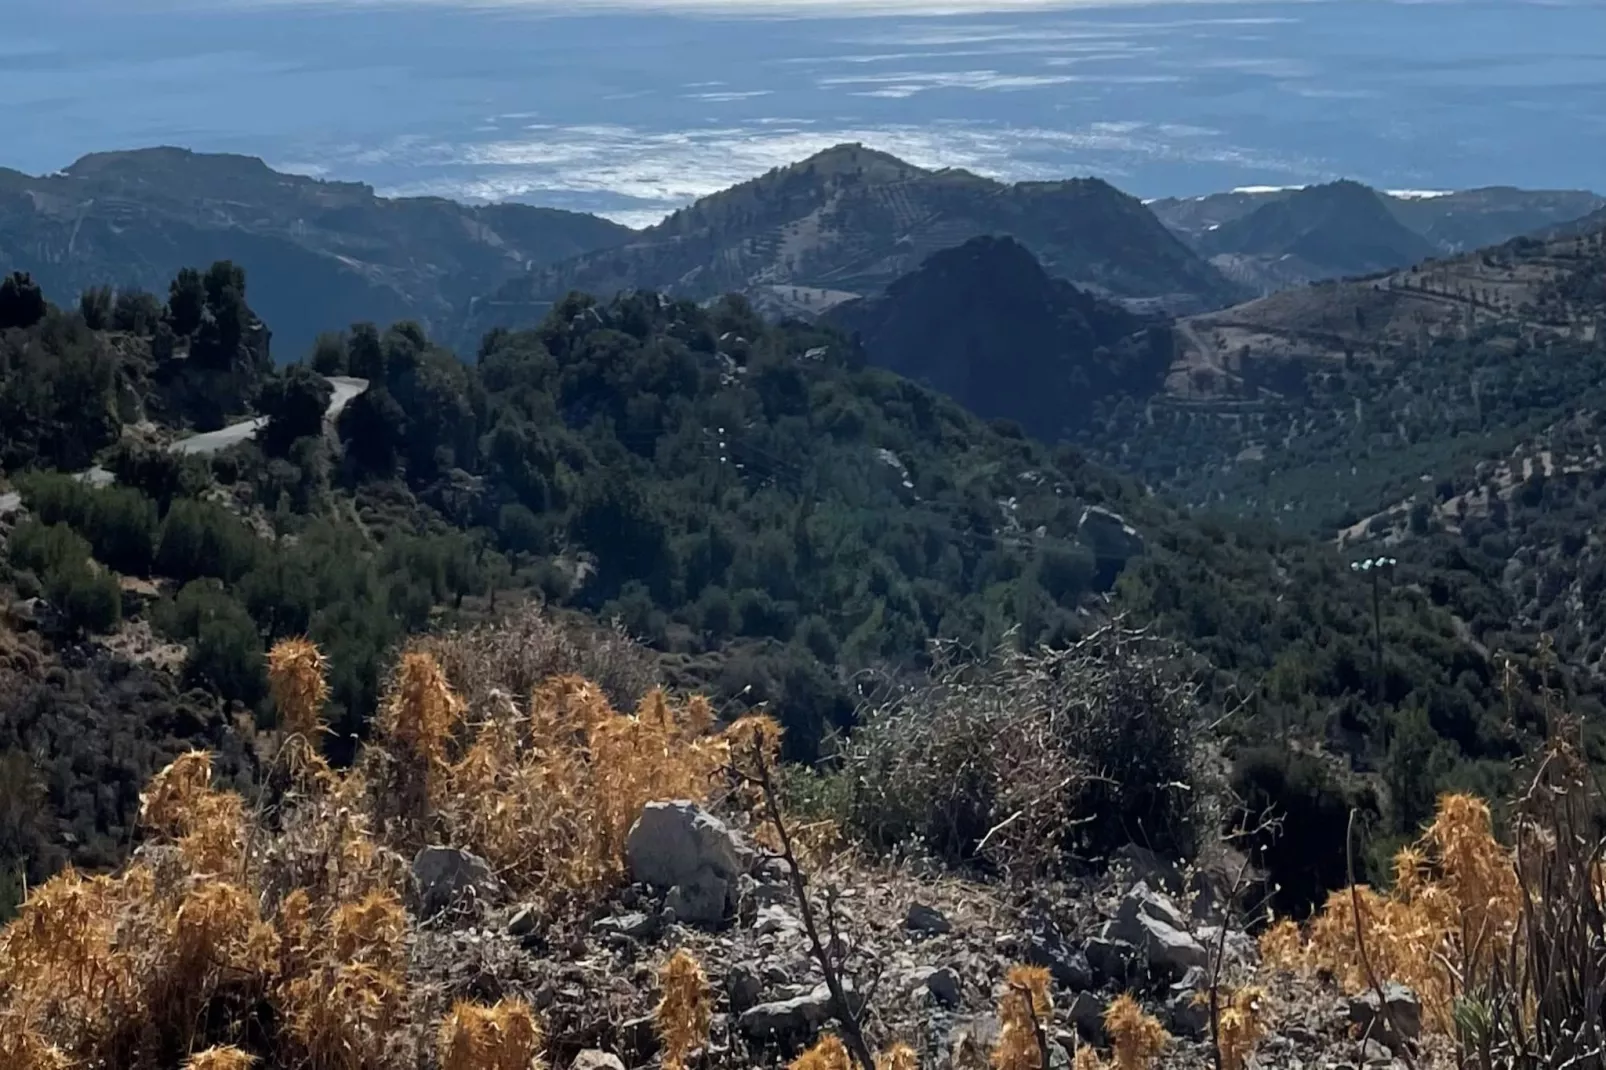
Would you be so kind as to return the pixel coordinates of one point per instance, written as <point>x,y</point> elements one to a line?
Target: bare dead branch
<point>850,1020</point>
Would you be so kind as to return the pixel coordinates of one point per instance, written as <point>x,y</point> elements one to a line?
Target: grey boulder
<point>681,847</point>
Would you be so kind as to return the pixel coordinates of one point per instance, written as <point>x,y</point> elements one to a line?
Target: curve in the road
<point>345,388</point>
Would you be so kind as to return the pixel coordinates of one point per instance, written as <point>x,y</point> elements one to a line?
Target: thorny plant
<point>224,940</point>
<point>754,767</point>
<point>1505,945</point>
<point>1025,1014</point>
<point>684,1010</point>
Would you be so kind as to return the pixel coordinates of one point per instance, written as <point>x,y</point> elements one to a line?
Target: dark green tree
<point>294,403</point>
<point>22,303</point>
<point>136,312</point>
<point>95,305</point>
<point>186,302</point>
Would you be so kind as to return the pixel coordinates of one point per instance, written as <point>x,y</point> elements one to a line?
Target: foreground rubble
<point>925,958</point>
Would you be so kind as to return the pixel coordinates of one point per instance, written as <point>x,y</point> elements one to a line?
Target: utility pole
<point>1375,567</point>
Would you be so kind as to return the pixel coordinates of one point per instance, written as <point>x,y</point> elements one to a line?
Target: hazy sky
<point>783,8</point>
<point>634,107</point>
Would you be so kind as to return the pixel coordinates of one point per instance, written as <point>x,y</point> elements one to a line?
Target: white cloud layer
<point>648,174</point>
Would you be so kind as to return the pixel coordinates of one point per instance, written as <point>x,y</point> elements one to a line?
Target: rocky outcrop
<point>1395,1020</point>
<point>445,878</point>
<point>800,1016</point>
<point>680,847</point>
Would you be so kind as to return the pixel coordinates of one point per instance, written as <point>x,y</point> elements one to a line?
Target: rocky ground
<point>925,955</point>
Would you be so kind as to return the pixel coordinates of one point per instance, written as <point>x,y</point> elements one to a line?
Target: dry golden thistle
<point>549,797</point>
<point>698,715</point>
<point>761,729</point>
<point>505,1036</point>
<point>1282,947</point>
<point>828,1053</point>
<point>1086,1059</point>
<point>654,711</point>
<point>296,671</point>
<point>1477,869</point>
<point>684,1012</point>
<point>372,930</point>
<point>166,806</point>
<point>221,1058</point>
<point>216,928</point>
<point>1456,894</point>
<point>1240,1027</point>
<point>898,1057</point>
<point>1023,1009</point>
<point>341,1017</point>
<point>1136,1038</point>
<point>420,712</point>
<point>180,805</point>
<point>60,938</point>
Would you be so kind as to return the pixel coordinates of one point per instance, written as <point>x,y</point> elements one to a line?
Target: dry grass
<point>220,1058</point>
<point>1454,907</point>
<point>1011,760</point>
<point>231,938</point>
<point>1502,944</point>
<point>502,1037</point>
<point>685,1009</point>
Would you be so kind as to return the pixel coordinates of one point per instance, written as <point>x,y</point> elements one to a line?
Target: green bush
<point>89,599</point>
<point>119,522</point>
<point>226,652</point>
<point>202,539</point>
<point>160,474</point>
<point>45,548</point>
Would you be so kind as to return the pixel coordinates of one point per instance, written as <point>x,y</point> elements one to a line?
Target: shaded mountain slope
<point>1339,229</point>
<point>318,253</point>
<point>986,325</point>
<point>849,220</point>
<point>1475,218</point>
<point>1452,222</point>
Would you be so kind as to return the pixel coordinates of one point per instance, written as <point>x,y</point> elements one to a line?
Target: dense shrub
<point>119,522</point>
<point>201,539</point>
<point>44,547</point>
<point>1306,855</point>
<point>225,647</point>
<point>1015,759</point>
<point>89,599</point>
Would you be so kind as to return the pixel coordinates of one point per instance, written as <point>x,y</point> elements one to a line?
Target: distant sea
<point>631,114</point>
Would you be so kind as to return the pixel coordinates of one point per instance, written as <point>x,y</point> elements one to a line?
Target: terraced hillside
<point>1320,405</point>
<point>849,220</point>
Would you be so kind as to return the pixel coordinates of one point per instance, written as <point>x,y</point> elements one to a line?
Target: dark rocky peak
<point>986,324</point>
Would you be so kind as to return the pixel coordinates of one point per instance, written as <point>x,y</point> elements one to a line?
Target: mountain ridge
<point>319,252</point>
<point>847,221</point>
<point>1451,222</point>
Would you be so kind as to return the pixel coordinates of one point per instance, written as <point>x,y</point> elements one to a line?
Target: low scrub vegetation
<point>1501,939</point>
<point>1011,761</point>
<point>280,931</point>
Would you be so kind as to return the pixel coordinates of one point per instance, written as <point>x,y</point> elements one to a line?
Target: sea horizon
<point>631,114</point>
